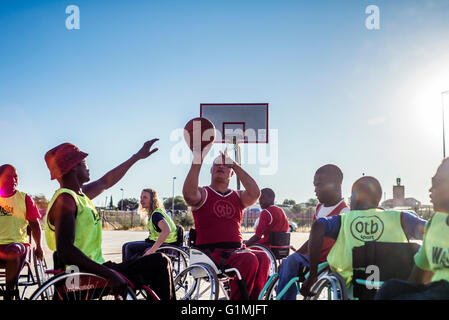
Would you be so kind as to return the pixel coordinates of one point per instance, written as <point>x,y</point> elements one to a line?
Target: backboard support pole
<point>237,157</point>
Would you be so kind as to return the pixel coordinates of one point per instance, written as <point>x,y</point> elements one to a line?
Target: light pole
<point>122,197</point>
<point>442,108</point>
<point>173,198</point>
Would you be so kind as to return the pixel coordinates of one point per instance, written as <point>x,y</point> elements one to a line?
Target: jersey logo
<point>224,209</point>
<point>367,228</point>
<point>6,211</point>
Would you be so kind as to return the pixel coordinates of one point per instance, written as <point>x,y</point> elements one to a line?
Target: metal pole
<point>173,199</point>
<point>237,158</point>
<point>442,109</point>
<point>122,197</point>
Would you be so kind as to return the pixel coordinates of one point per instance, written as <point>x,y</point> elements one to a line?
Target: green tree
<point>128,204</point>
<point>179,204</point>
<point>288,202</point>
<point>296,208</point>
<point>312,202</point>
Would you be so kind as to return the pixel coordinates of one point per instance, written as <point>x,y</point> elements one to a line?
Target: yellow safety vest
<point>358,227</point>
<point>87,227</point>
<point>13,222</point>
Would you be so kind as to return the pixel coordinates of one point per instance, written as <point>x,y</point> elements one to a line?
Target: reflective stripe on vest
<point>87,226</point>
<point>358,227</point>
<point>154,234</point>
<point>13,222</point>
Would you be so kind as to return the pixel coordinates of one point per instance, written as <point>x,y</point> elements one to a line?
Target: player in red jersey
<point>271,219</point>
<point>218,214</point>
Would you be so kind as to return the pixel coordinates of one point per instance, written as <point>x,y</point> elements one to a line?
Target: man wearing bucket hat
<point>73,227</point>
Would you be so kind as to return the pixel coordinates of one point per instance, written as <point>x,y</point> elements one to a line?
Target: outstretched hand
<point>146,150</point>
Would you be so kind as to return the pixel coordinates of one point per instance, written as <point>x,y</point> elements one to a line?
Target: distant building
<point>399,199</point>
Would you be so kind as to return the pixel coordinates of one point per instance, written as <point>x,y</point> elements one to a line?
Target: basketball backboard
<point>247,122</point>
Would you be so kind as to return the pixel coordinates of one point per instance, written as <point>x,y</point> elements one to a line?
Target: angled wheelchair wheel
<point>197,282</point>
<point>329,287</point>
<point>77,286</point>
<point>273,262</point>
<point>178,257</point>
<point>269,292</point>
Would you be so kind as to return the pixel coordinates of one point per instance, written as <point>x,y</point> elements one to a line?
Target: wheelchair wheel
<point>270,292</point>
<point>179,258</point>
<point>197,282</point>
<point>273,262</point>
<point>77,286</point>
<point>329,287</point>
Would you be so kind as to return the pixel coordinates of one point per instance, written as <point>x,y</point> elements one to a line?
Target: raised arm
<point>192,193</point>
<point>95,188</point>
<point>251,194</point>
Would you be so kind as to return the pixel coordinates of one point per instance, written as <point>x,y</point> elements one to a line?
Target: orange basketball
<point>198,133</point>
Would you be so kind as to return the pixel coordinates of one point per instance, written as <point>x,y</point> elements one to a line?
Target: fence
<point>121,220</point>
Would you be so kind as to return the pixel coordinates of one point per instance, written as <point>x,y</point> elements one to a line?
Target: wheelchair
<point>177,252</point>
<point>278,248</point>
<point>72,285</point>
<point>203,280</point>
<point>31,272</point>
<point>269,290</point>
<point>394,261</point>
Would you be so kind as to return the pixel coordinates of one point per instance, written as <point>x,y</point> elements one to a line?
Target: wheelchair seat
<point>179,236</point>
<point>280,244</point>
<point>394,260</point>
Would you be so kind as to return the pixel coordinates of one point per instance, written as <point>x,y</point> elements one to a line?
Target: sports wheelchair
<point>72,285</point>
<point>177,252</point>
<point>202,279</point>
<point>269,290</point>
<point>393,260</point>
<point>278,248</point>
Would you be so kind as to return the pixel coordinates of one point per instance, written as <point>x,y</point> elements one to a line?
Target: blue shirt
<point>411,225</point>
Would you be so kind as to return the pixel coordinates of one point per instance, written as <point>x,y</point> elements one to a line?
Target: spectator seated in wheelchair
<point>364,223</point>
<point>17,212</point>
<point>429,279</point>
<point>160,225</point>
<point>73,227</point>
<point>271,219</point>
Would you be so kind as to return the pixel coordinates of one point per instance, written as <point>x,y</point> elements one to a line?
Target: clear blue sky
<point>368,101</point>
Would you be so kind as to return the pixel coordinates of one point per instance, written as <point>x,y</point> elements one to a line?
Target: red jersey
<point>328,242</point>
<point>219,218</point>
<point>271,219</point>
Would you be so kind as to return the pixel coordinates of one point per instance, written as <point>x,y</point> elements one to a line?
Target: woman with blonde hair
<point>161,227</point>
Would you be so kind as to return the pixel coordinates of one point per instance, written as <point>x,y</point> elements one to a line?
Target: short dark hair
<point>4,167</point>
<point>268,192</point>
<point>332,171</point>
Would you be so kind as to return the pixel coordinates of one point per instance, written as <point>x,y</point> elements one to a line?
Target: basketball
<point>199,133</point>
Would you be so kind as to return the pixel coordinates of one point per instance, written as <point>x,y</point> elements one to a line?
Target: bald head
<point>366,193</point>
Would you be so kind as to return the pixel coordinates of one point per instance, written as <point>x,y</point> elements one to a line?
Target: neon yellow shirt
<point>434,252</point>
<point>13,222</point>
<point>88,232</point>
